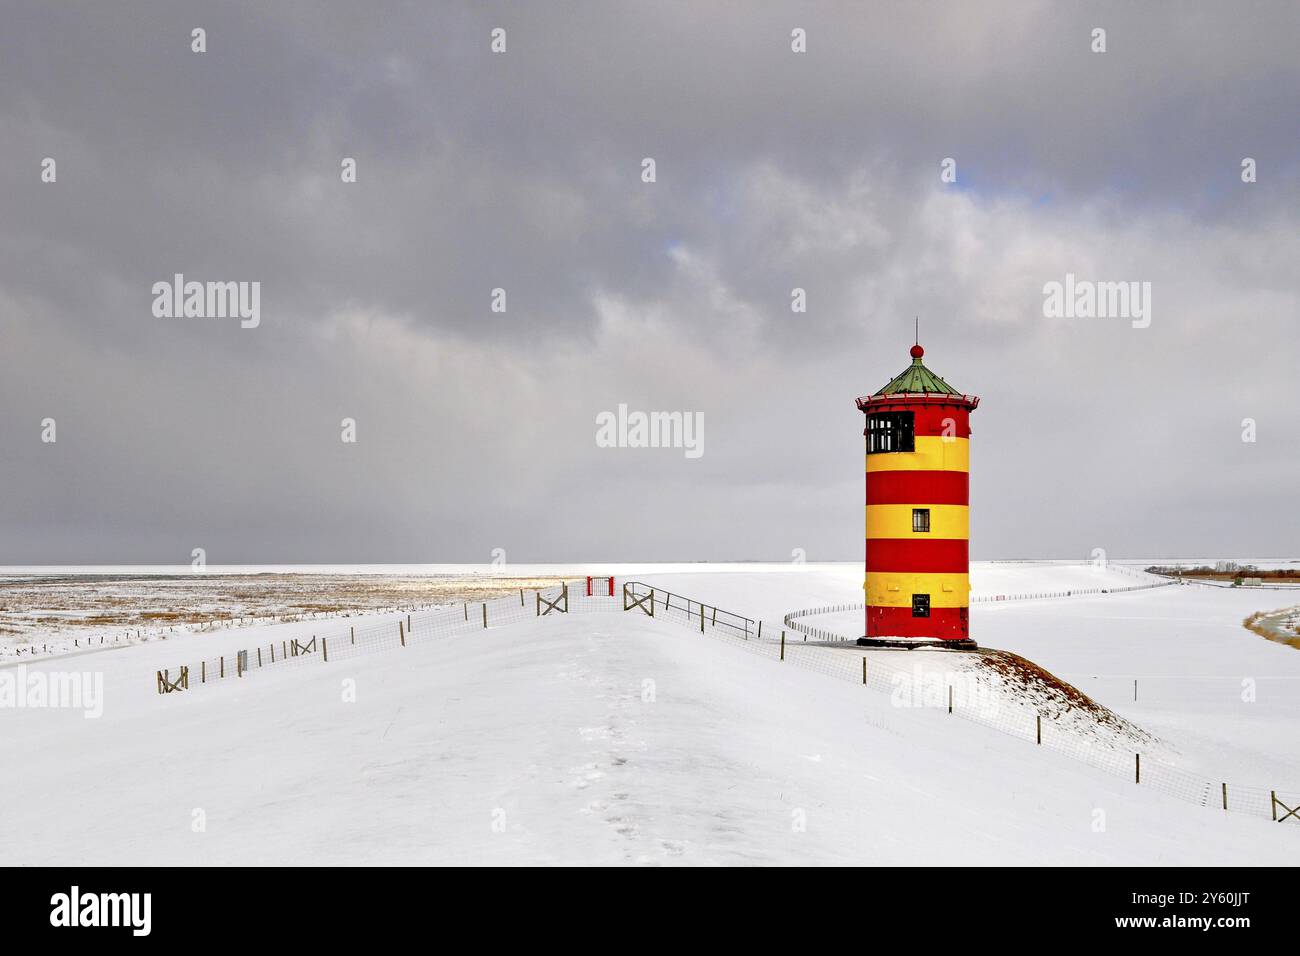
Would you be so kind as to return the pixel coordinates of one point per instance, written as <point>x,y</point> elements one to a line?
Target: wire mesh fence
<point>777,641</point>
<point>1069,592</point>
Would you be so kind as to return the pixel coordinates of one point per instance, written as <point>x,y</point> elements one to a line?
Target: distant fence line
<point>792,619</point>
<point>754,635</point>
<point>1070,592</point>
<point>146,632</point>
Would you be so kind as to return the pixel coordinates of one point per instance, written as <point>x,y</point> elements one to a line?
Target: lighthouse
<point>918,506</point>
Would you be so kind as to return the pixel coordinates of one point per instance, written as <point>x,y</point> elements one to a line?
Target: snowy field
<point>614,738</point>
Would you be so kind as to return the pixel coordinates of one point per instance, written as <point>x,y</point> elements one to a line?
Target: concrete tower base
<point>912,643</point>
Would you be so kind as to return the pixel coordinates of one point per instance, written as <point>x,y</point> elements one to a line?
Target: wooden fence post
<point>1272,803</point>
<point>783,645</point>
<point>1038,723</point>
<point>1137,768</point>
<point>259,657</point>
<point>950,698</point>
<point>539,603</point>
<point>466,606</point>
<point>864,669</point>
<point>352,634</point>
<point>222,660</point>
<point>324,651</point>
<point>485,615</point>
<point>203,672</point>
<point>701,618</point>
<point>521,597</point>
<point>272,653</point>
<point>401,634</point>
<point>760,630</point>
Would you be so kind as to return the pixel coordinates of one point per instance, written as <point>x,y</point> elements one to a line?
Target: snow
<point>614,738</point>
<point>1226,701</point>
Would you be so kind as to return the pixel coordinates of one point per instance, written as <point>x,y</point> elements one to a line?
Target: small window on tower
<point>890,431</point>
<point>920,520</point>
<point>920,605</point>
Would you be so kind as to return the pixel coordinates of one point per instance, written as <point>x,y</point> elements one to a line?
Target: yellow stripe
<point>933,453</point>
<point>895,521</point>
<point>896,590</point>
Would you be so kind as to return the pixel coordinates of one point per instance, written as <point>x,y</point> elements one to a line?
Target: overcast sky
<point>523,170</point>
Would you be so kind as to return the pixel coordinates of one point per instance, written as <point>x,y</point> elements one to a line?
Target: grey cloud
<point>521,171</point>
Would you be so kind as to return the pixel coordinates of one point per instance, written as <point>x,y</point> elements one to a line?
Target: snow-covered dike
<point>612,737</point>
<point>605,738</point>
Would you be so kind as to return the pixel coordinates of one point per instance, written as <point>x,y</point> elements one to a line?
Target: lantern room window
<point>920,520</point>
<point>890,431</point>
<point>920,605</point>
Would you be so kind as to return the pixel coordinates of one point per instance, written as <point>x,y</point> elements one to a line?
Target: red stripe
<point>931,555</point>
<point>918,488</point>
<point>944,623</point>
<point>942,420</point>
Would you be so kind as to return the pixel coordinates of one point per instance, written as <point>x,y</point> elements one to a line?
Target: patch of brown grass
<point>1257,623</point>
<point>125,601</point>
<point>1034,682</point>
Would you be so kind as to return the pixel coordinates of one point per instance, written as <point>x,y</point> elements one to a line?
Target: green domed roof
<point>916,379</point>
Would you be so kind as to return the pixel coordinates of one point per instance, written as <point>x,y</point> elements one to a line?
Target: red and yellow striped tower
<point>918,496</point>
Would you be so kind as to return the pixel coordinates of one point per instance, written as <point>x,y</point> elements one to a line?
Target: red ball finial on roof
<point>917,351</point>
